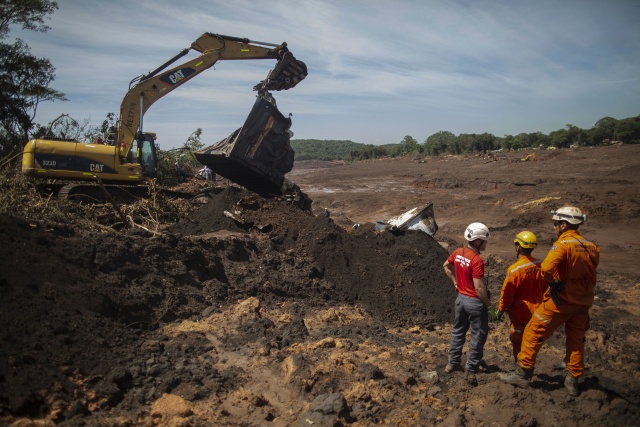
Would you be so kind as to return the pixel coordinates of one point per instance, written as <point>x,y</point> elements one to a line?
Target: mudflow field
<point>251,312</point>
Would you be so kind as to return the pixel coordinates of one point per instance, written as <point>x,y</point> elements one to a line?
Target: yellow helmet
<point>526,239</point>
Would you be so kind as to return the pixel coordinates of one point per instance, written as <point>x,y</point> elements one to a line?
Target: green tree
<point>538,139</point>
<point>29,14</point>
<point>193,142</point>
<point>24,79</point>
<point>519,142</point>
<point>576,135</point>
<point>464,143</point>
<point>603,131</point>
<point>409,145</point>
<point>457,144</point>
<point>508,142</point>
<point>185,155</point>
<point>308,149</point>
<point>628,130</point>
<point>484,142</point>
<point>369,151</point>
<point>437,143</point>
<point>559,138</point>
<point>24,84</point>
<point>110,124</point>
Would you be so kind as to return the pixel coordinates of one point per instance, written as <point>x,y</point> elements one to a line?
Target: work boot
<point>571,384</point>
<point>519,378</point>
<point>451,367</point>
<point>481,368</point>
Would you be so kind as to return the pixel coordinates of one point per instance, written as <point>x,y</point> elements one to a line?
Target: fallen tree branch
<point>133,224</point>
<point>113,202</point>
<point>9,158</point>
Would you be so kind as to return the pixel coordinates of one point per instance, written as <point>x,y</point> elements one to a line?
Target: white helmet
<point>570,214</point>
<point>475,231</point>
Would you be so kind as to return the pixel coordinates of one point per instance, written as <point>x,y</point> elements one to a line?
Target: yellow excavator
<point>529,157</point>
<point>129,156</point>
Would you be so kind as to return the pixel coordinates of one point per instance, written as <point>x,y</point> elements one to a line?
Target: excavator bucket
<point>259,154</point>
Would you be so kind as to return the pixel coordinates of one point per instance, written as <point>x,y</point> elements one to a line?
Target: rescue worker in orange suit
<point>570,271</point>
<point>465,268</point>
<point>522,289</point>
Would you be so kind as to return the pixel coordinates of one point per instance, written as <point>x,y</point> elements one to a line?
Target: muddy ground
<point>251,312</point>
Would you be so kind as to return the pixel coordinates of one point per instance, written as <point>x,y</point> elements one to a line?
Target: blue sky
<point>378,70</point>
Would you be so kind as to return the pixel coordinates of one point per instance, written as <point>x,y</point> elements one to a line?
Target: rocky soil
<point>252,312</point>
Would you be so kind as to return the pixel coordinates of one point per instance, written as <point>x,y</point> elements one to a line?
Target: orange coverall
<point>573,260</point>
<point>521,295</point>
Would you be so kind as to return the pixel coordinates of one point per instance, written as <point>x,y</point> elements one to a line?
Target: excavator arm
<point>146,89</point>
<point>116,162</point>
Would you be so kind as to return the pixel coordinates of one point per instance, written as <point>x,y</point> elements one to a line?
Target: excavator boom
<point>147,89</point>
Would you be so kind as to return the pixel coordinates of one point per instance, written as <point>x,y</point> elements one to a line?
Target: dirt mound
<point>398,278</point>
<point>75,303</point>
<point>251,311</point>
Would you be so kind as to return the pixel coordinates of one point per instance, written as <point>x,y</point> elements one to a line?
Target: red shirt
<point>468,265</point>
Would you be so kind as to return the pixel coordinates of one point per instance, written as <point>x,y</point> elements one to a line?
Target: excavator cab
<point>146,154</point>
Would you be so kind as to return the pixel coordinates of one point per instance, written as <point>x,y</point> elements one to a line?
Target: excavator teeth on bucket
<point>287,73</point>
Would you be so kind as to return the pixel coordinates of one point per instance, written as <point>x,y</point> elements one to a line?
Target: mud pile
<point>252,312</point>
<point>398,278</point>
<point>77,306</point>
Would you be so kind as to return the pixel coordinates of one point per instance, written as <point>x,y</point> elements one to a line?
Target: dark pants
<point>470,314</point>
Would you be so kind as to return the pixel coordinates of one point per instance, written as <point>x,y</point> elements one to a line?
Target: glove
<point>499,315</point>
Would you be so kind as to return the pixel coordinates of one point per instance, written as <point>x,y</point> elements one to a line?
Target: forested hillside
<point>314,149</point>
<point>606,131</point>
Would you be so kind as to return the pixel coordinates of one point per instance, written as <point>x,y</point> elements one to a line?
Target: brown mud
<point>251,311</point>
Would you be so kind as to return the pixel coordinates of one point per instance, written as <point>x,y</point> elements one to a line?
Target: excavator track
<point>93,194</point>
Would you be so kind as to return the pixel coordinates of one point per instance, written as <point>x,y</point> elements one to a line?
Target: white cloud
<point>378,70</point>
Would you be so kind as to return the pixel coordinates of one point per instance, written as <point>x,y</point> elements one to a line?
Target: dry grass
<point>21,198</point>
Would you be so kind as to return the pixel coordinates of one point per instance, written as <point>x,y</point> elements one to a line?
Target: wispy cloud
<point>377,70</point>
